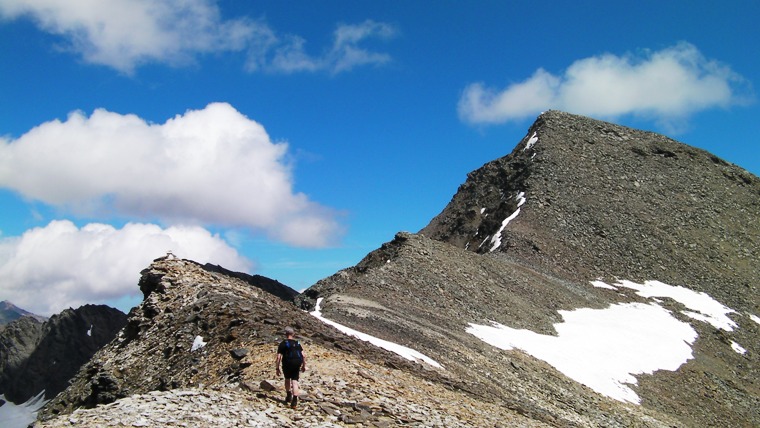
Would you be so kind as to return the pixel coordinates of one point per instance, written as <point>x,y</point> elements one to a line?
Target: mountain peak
<point>579,196</point>
<point>10,312</point>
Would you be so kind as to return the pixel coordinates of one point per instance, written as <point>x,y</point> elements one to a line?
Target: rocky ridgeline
<point>337,392</point>
<point>151,375</point>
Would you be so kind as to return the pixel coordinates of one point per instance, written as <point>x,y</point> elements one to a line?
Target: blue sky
<point>290,139</point>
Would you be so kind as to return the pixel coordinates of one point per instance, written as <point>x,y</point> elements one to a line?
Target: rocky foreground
<point>337,391</point>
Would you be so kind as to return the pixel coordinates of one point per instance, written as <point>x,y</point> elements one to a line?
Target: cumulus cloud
<point>52,268</point>
<point>668,85</point>
<point>212,166</point>
<point>124,34</point>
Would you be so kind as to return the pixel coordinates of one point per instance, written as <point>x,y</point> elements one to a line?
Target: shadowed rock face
<point>17,342</point>
<point>44,356</point>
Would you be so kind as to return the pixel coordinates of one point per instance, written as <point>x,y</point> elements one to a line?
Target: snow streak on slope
<point>605,348</point>
<point>408,353</point>
<point>531,142</point>
<point>754,318</point>
<point>496,240</point>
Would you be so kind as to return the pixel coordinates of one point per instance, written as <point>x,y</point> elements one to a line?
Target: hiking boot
<point>288,397</point>
<point>294,403</point>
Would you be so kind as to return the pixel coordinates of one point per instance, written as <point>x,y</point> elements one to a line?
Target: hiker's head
<point>289,331</point>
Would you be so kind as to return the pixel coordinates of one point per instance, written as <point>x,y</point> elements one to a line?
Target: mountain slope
<point>582,214</point>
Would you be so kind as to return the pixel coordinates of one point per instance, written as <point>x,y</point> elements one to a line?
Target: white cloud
<point>58,266</point>
<point>124,34</point>
<point>344,55</point>
<point>212,166</point>
<point>669,85</point>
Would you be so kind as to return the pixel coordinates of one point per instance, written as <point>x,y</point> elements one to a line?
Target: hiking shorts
<point>291,369</point>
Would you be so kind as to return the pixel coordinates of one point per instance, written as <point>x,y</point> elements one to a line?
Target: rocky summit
<point>596,276</point>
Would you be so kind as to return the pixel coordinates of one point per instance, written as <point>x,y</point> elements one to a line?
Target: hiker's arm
<point>303,363</point>
<point>277,363</point>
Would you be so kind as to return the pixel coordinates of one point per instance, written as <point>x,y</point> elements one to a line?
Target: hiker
<point>290,354</point>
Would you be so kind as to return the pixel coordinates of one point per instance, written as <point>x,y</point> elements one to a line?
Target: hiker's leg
<point>288,385</point>
<point>294,388</point>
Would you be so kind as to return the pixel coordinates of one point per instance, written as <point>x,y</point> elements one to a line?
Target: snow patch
<point>707,309</point>
<point>198,343</point>
<point>531,142</point>
<point>754,318</point>
<point>604,348</point>
<point>408,353</point>
<point>600,284</point>
<point>738,348</point>
<point>21,415</point>
<point>89,332</point>
<point>496,240</point>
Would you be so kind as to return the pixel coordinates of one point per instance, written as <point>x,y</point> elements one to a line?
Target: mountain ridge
<point>584,217</point>
<point>10,312</point>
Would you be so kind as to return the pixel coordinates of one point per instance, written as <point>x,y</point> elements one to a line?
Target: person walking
<point>290,356</point>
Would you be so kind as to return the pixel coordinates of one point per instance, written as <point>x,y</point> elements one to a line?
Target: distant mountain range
<point>598,275</point>
<point>10,312</point>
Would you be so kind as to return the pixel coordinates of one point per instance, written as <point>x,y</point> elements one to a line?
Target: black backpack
<point>293,351</point>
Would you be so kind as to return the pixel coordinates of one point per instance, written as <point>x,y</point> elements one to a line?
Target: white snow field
<point>604,348</point>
